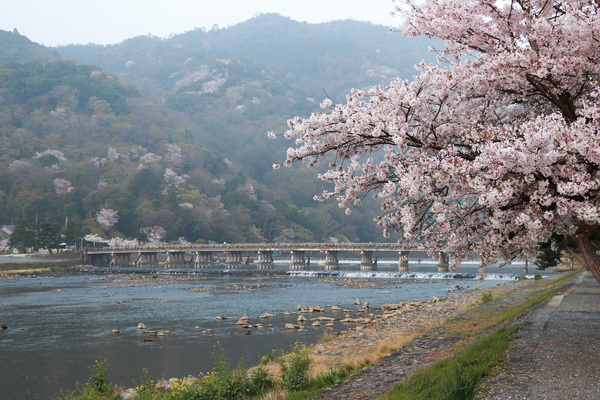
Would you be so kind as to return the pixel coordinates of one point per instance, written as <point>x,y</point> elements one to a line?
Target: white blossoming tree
<point>93,238</point>
<point>107,218</point>
<point>62,186</point>
<point>4,245</point>
<point>154,235</point>
<point>494,151</point>
<point>174,156</point>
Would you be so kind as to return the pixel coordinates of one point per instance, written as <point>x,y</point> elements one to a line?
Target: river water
<point>59,326</point>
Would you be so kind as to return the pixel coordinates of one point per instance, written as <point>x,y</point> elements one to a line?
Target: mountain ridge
<point>218,93</point>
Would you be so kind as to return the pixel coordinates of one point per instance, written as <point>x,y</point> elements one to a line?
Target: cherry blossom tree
<point>182,241</point>
<point>94,239</point>
<point>107,217</point>
<point>62,186</point>
<point>495,150</point>
<point>4,246</point>
<point>120,242</point>
<point>174,156</point>
<point>155,235</point>
<point>174,180</point>
<point>101,184</point>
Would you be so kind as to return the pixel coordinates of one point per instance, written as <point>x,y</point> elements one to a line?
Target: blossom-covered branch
<point>493,152</point>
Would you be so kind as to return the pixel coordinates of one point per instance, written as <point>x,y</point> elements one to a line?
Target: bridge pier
<point>175,259</point>
<point>443,264</point>
<point>203,259</point>
<point>147,260</point>
<point>331,260</point>
<point>403,261</point>
<point>265,259</point>
<point>297,262</point>
<point>97,260</point>
<point>235,260</point>
<point>367,263</point>
<point>120,260</point>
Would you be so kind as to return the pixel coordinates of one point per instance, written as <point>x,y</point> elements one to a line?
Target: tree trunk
<point>575,255</point>
<point>590,257</point>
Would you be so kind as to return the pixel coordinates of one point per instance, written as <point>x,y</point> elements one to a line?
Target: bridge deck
<point>254,247</point>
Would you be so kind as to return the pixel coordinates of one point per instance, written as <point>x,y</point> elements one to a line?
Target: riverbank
<point>439,330</point>
<point>30,265</point>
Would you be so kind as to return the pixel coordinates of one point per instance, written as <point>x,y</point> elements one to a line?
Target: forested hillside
<point>169,135</point>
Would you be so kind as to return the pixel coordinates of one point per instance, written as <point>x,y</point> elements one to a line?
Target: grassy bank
<point>55,263</point>
<point>486,333</point>
<point>457,378</point>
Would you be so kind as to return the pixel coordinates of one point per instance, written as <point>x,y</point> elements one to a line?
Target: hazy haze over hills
<point>218,92</point>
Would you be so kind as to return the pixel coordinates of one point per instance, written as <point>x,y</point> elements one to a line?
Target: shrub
<point>225,382</point>
<point>260,380</point>
<point>97,386</point>
<point>272,356</point>
<point>334,375</point>
<point>486,297</point>
<point>98,381</point>
<point>537,277</point>
<point>294,371</point>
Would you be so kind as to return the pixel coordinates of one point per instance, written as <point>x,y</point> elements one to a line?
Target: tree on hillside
<point>107,218</point>
<point>493,151</point>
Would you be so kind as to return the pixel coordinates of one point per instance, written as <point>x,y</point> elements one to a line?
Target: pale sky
<point>62,22</point>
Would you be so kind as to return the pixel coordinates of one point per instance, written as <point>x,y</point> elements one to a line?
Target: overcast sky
<point>62,22</point>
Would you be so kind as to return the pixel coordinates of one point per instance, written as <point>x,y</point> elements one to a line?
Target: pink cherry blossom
<point>492,152</point>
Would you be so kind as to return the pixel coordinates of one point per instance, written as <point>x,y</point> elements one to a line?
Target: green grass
<point>457,378</point>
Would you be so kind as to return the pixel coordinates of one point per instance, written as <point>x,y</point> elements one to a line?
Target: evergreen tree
<point>24,235</point>
<point>49,235</point>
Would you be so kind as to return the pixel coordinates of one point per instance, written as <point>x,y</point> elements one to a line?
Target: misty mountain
<point>16,47</point>
<point>111,120</point>
<point>236,84</point>
<point>334,56</point>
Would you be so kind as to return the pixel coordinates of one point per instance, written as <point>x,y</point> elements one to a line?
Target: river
<point>59,326</point>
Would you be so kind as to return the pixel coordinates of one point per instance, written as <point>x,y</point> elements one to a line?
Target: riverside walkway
<point>556,356</point>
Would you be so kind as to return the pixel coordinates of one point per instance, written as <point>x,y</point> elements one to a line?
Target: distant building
<point>6,231</point>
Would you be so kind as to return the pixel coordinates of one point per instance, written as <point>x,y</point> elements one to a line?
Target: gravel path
<point>556,356</point>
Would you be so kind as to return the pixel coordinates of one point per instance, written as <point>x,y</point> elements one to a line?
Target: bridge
<point>240,255</point>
